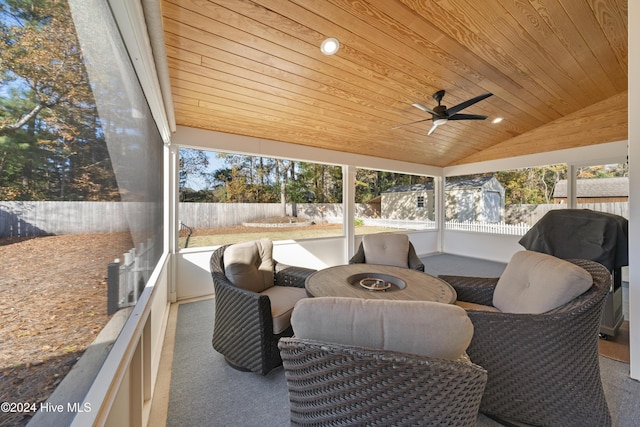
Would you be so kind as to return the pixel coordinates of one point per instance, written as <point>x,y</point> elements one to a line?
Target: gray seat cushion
<point>283,299</point>
<point>417,327</point>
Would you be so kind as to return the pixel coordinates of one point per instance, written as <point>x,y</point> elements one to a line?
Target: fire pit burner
<point>377,282</point>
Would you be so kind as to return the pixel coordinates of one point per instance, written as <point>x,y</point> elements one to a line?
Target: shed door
<point>492,206</point>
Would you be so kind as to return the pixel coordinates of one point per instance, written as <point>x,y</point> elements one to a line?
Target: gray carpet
<point>463,266</point>
<point>205,391</point>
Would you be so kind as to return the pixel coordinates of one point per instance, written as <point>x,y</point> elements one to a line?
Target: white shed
<point>469,199</point>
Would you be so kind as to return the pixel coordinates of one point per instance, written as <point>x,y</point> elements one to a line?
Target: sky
<point>215,163</point>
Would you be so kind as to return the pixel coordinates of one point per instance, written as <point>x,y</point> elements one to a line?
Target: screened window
<point>81,195</point>
<point>228,198</point>
<point>602,188</point>
<point>389,201</point>
<point>502,202</point>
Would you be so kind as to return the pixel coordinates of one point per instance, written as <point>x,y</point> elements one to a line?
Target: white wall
<point>492,247</point>
<point>194,277</point>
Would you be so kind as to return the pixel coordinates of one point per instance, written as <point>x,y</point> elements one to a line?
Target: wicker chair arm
<point>478,290</point>
<point>243,330</point>
<point>287,275</point>
<point>240,304</point>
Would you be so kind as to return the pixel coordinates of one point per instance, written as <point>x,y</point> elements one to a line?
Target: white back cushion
<point>534,282</point>
<point>386,249</point>
<point>249,265</point>
<point>417,327</point>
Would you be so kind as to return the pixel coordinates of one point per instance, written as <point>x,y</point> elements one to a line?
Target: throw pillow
<point>249,265</point>
<point>534,282</point>
<point>386,249</point>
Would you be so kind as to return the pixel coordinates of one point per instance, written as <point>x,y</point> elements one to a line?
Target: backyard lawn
<point>228,235</point>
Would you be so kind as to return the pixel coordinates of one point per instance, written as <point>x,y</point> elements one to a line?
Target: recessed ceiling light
<point>496,120</point>
<point>330,46</point>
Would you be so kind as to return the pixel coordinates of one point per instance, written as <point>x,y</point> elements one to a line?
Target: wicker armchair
<point>380,363</point>
<point>340,385</point>
<point>243,328</point>
<point>542,368</point>
<point>412,261</point>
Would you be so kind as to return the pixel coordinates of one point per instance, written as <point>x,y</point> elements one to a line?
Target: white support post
<point>438,186</point>
<point>349,203</point>
<point>572,183</point>
<point>172,211</point>
<point>634,189</point>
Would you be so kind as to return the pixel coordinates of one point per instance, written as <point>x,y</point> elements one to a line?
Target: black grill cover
<point>583,234</point>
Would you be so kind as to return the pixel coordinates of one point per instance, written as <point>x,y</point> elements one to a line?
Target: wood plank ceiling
<point>557,70</point>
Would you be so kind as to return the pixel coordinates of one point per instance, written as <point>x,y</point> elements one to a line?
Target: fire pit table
<point>378,281</point>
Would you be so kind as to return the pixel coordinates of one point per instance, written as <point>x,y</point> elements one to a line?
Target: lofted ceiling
<point>557,70</point>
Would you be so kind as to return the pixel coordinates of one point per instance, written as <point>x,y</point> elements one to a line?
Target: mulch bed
<point>53,304</point>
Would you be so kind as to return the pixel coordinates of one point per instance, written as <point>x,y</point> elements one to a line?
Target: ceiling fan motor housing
<point>440,110</point>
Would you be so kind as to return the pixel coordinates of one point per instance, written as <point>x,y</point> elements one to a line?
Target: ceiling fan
<point>440,114</point>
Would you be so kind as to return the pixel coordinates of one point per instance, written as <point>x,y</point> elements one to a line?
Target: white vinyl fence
<point>488,227</point>
<point>403,224</point>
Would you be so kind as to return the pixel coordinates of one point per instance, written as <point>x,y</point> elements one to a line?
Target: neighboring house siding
<point>594,190</point>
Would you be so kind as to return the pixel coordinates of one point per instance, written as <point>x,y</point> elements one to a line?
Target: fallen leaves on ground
<point>53,304</point>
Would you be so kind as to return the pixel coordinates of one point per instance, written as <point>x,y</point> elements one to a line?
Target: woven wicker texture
<point>243,327</point>
<point>338,385</point>
<point>542,368</point>
<point>414,260</point>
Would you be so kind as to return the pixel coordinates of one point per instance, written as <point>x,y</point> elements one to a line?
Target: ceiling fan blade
<point>412,123</point>
<point>467,117</point>
<point>453,110</point>
<point>433,128</point>
<point>423,108</point>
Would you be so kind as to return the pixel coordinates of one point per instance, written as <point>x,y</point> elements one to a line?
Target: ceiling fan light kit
<point>440,114</point>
